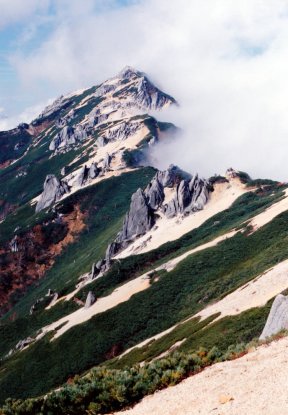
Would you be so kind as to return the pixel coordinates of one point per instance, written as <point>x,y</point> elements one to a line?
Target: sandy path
<point>171,229</point>
<point>121,294</point>
<point>255,384</point>
<point>270,213</point>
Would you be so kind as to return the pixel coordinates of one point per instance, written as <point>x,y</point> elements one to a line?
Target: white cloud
<point>226,62</point>
<point>13,11</point>
<point>29,114</point>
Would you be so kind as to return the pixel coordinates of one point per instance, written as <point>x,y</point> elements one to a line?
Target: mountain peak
<point>128,72</point>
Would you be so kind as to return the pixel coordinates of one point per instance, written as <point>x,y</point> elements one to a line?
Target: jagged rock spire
<point>53,190</point>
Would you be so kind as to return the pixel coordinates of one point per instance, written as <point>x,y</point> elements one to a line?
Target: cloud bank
<point>226,63</point>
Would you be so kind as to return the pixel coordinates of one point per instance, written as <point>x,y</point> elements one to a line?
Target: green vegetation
<point>21,328</point>
<point>13,144</point>
<point>201,278</point>
<point>106,390</point>
<point>104,205</point>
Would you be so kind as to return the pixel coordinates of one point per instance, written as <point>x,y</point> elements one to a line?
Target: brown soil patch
<point>36,255</point>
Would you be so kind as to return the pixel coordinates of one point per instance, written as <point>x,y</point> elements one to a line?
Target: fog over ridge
<point>226,63</point>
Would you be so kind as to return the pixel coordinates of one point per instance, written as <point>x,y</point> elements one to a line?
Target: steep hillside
<point>228,388</point>
<point>78,141</point>
<point>106,264</point>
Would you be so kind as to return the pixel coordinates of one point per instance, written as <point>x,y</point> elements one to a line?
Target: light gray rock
<point>59,104</point>
<point>90,299</point>
<point>82,176</point>
<point>106,162</point>
<point>53,190</point>
<point>87,173</point>
<point>101,141</point>
<point>172,176</point>
<point>190,196</point>
<point>93,171</point>
<point>23,343</point>
<point>104,89</point>
<point>278,317</point>
<point>67,137</point>
<point>122,131</point>
<point>148,96</point>
<point>154,193</point>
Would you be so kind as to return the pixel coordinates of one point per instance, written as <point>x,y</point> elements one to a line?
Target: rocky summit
<point>118,279</point>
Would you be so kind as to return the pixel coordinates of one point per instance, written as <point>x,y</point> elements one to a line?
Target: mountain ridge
<point>118,263</point>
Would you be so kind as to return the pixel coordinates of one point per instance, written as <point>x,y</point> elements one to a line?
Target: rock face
<point>53,190</point>
<point>278,317</point>
<point>121,131</point>
<point>67,137</point>
<point>190,196</point>
<point>90,299</point>
<point>139,219</point>
<point>154,193</point>
<point>117,100</point>
<point>106,162</point>
<point>145,94</point>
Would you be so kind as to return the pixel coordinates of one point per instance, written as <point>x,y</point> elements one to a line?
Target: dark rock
<point>23,126</point>
<point>111,250</point>
<point>14,244</point>
<point>96,269</point>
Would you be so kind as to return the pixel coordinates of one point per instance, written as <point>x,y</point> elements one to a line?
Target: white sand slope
<point>171,229</point>
<point>255,293</point>
<point>119,295</point>
<point>255,384</point>
<point>270,213</point>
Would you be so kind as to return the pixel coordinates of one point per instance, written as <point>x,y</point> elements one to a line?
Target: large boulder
<point>154,193</point>
<point>190,196</point>
<point>53,190</point>
<point>68,137</point>
<point>139,219</point>
<point>90,299</point>
<point>278,317</point>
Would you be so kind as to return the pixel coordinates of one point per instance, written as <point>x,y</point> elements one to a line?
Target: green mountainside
<point>90,235</point>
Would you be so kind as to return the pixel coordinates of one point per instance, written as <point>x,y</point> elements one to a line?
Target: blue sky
<point>24,35</point>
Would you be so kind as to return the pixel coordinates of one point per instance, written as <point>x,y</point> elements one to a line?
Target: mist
<point>225,62</point>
